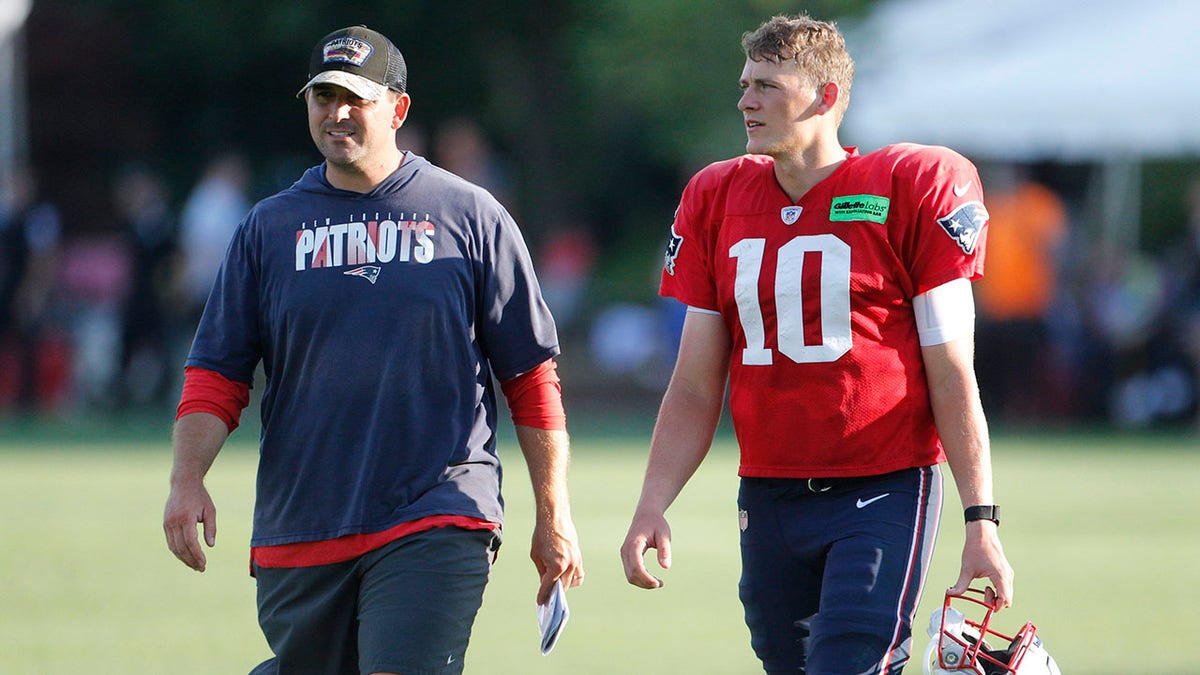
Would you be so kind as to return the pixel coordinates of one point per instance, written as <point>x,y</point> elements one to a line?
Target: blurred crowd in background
<point>147,130</point>
<point>1071,328</point>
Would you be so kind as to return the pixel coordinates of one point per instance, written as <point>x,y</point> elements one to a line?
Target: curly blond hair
<point>817,48</point>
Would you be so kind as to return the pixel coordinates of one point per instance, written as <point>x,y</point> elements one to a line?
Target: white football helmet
<point>961,646</point>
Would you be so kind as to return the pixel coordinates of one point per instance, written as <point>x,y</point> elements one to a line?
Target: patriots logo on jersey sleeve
<point>672,251</point>
<point>964,224</point>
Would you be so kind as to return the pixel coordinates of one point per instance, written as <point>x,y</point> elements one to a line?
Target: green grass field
<point>1104,532</point>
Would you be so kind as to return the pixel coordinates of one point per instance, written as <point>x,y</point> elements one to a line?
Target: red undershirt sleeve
<point>209,391</point>
<point>535,398</point>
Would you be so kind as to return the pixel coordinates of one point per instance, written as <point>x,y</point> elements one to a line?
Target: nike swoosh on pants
<point>867,502</point>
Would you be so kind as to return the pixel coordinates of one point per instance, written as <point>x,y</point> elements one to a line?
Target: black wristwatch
<point>991,513</point>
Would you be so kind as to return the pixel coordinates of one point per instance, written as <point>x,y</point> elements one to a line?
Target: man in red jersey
<point>831,290</point>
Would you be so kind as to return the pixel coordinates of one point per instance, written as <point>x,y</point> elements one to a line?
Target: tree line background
<point>602,107</point>
<point>600,110</point>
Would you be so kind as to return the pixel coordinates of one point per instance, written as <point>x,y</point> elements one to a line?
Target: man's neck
<point>800,172</point>
<point>362,179</point>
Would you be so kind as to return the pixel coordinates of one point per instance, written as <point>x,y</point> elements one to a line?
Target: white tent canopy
<point>1071,80</point>
<point>12,103</point>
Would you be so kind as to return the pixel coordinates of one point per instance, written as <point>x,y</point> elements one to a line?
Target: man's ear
<point>830,94</point>
<point>401,111</point>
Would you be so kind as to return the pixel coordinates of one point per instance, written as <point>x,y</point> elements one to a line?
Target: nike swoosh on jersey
<point>863,503</point>
<point>960,190</point>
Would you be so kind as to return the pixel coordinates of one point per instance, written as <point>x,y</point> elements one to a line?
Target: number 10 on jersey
<point>812,299</point>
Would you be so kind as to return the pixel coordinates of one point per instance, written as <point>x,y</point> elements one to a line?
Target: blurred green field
<point>1104,532</point>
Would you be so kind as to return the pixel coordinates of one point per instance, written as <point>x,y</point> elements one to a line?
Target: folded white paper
<point>552,617</point>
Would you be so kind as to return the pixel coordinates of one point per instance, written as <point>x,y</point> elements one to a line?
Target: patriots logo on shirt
<point>368,272</point>
<point>672,251</point>
<point>964,224</point>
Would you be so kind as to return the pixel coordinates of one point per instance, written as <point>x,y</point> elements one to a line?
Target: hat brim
<point>359,85</point>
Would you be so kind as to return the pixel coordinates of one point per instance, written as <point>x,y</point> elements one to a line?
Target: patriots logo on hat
<point>368,272</point>
<point>349,50</point>
<point>964,224</point>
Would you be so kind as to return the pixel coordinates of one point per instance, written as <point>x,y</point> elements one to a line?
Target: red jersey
<point>826,375</point>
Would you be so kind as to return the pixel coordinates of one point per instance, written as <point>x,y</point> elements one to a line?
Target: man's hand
<point>189,504</point>
<point>646,532</point>
<point>982,558</point>
<point>197,439</point>
<point>556,555</point>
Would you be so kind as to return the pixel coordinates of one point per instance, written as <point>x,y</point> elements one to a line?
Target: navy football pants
<point>832,571</point>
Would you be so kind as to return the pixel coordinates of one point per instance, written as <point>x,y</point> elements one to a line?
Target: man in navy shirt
<point>381,294</point>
